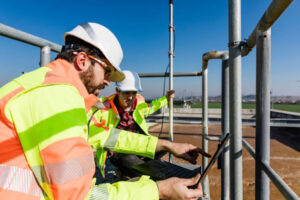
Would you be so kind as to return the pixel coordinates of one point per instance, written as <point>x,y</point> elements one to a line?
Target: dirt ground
<point>285,156</point>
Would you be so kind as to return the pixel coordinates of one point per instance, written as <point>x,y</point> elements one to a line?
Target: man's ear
<point>82,61</point>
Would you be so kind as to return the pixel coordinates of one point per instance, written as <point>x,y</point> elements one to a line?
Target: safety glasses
<point>106,68</point>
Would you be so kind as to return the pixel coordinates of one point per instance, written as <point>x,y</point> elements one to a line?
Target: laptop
<point>159,169</point>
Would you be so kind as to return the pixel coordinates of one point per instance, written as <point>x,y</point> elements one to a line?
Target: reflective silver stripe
<point>19,180</point>
<point>112,139</point>
<point>99,105</point>
<point>99,192</point>
<point>59,173</point>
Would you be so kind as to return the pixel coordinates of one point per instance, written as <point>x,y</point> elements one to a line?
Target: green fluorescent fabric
<point>144,189</point>
<point>143,110</point>
<point>34,110</point>
<point>42,115</point>
<point>107,137</point>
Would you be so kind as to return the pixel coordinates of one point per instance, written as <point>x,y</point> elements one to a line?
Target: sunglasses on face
<point>106,68</point>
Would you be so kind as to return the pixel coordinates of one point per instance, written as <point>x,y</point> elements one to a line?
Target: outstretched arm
<point>148,109</point>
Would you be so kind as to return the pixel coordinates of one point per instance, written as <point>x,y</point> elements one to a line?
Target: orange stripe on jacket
<point>52,153</point>
<point>71,190</point>
<point>11,151</point>
<point>17,195</point>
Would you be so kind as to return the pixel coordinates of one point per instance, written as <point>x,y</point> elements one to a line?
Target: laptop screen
<point>213,159</point>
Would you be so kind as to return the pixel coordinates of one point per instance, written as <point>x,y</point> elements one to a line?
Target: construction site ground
<point>285,156</point>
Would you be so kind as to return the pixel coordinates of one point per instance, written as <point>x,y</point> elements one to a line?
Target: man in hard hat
<point>131,113</point>
<point>131,106</point>
<point>43,137</point>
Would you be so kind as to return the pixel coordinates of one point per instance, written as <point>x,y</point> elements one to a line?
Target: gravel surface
<point>285,156</point>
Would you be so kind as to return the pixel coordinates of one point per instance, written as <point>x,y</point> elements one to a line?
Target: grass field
<point>285,107</point>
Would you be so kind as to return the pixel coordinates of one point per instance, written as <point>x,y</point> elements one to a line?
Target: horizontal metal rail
<point>213,55</point>
<point>27,38</point>
<point>275,9</point>
<point>285,190</point>
<point>295,123</point>
<point>178,74</point>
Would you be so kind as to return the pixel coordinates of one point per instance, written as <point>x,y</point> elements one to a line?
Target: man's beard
<point>87,78</point>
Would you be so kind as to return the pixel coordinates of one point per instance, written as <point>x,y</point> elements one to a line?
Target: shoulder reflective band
<point>19,180</point>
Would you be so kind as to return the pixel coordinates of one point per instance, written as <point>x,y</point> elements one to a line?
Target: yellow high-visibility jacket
<point>103,129</point>
<point>44,152</point>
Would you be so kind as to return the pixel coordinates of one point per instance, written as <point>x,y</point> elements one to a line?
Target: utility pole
<point>171,56</point>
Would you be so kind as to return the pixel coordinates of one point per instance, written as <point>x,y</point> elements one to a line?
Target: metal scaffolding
<point>171,56</point>
<point>261,36</point>
<point>225,114</point>
<point>45,45</point>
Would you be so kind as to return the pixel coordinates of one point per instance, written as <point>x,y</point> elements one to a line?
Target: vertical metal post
<point>205,58</point>
<point>45,55</point>
<point>171,56</point>
<point>236,165</point>
<point>205,183</point>
<point>225,129</point>
<point>262,142</point>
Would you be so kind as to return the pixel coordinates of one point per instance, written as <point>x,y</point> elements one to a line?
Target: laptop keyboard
<point>173,170</point>
<point>159,170</point>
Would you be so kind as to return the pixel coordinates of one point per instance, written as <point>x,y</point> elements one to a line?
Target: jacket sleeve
<point>155,105</point>
<point>121,141</point>
<point>144,188</point>
<point>52,127</point>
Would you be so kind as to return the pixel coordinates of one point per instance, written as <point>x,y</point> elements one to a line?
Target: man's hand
<point>170,94</point>
<point>177,189</point>
<point>185,151</point>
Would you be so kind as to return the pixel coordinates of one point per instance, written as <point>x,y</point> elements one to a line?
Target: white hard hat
<point>104,40</point>
<point>132,82</point>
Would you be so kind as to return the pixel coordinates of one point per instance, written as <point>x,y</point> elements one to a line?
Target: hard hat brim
<point>117,76</point>
<point>128,89</point>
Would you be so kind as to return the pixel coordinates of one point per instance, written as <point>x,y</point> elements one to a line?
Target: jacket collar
<point>64,72</point>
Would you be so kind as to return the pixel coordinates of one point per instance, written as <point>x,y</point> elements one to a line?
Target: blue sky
<point>142,29</point>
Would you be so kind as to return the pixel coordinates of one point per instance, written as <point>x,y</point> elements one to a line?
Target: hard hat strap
<point>78,47</point>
